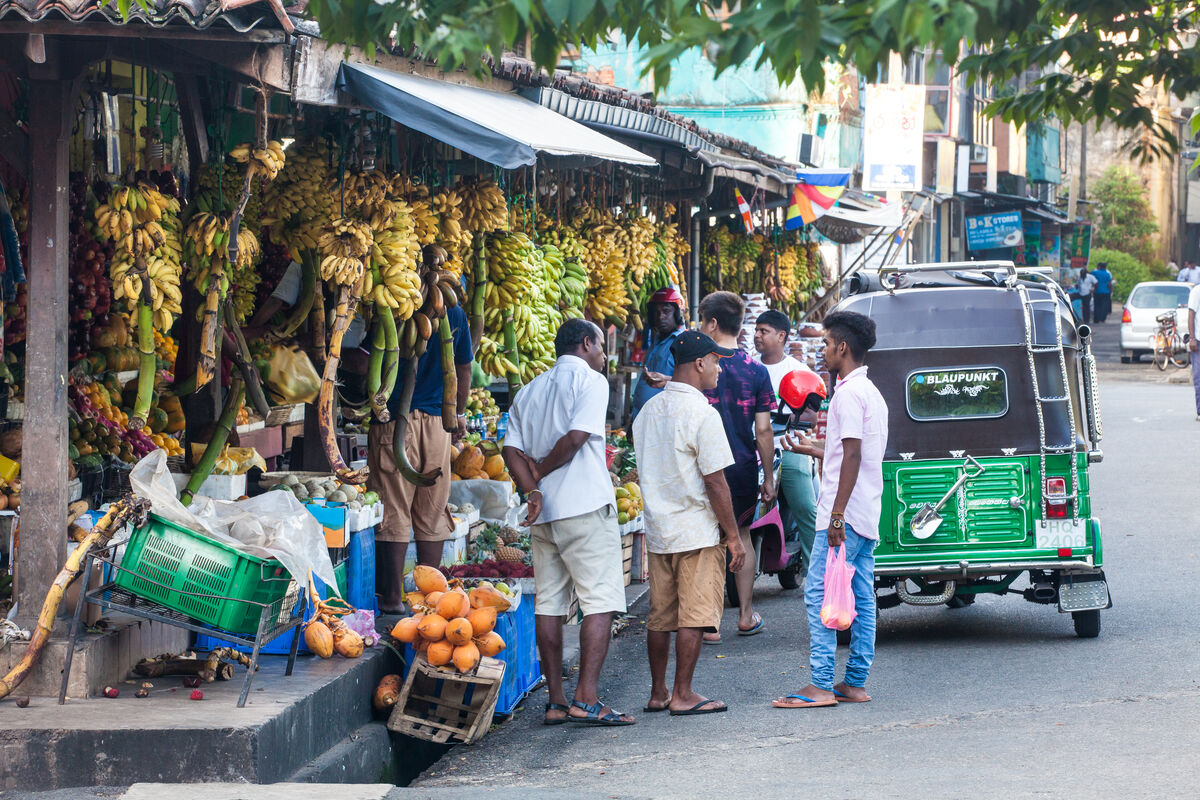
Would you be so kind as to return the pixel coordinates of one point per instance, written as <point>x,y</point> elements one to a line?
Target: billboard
<point>992,231</point>
<point>893,138</point>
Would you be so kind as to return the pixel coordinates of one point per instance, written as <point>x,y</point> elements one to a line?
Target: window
<point>1160,296</point>
<point>977,392</point>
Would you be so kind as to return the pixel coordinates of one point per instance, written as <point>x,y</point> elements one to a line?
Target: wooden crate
<point>641,563</point>
<point>441,705</point>
<point>627,557</point>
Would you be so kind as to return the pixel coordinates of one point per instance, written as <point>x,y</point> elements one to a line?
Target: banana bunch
<point>404,185</point>
<point>163,274</point>
<point>522,303</point>
<point>636,237</point>
<point>604,260</point>
<point>492,359</point>
<point>522,217</point>
<point>218,186</point>
<point>447,206</point>
<point>299,201</point>
<point>425,222</point>
<point>572,282</point>
<point>268,160</point>
<point>483,205</point>
<point>439,290</point>
<point>131,217</point>
<point>364,189</point>
<point>206,250</point>
<point>344,246</point>
<point>244,277</point>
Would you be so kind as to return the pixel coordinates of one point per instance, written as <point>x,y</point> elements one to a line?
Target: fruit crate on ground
<point>208,580</point>
<point>627,557</point>
<point>440,705</point>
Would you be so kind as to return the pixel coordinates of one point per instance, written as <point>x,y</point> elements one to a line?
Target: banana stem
<point>245,363</point>
<point>449,378</point>
<point>406,469</point>
<point>510,351</point>
<point>479,291</point>
<point>391,366</point>
<point>119,513</point>
<point>304,303</point>
<point>206,364</point>
<point>233,404</point>
<point>147,363</point>
<point>347,300</point>
<point>318,323</point>
<point>375,363</point>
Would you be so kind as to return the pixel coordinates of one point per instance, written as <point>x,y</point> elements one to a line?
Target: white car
<point>1139,321</point>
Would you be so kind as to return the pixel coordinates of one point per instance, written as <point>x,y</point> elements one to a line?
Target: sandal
<point>557,707</point>
<point>611,719</point>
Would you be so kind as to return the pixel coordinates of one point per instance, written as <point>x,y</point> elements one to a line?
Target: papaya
<point>482,620</point>
<point>429,579</point>
<point>459,632</point>
<point>157,420</point>
<point>494,466</point>
<point>319,638</point>
<point>466,657</point>
<point>490,644</point>
<point>439,653</point>
<point>470,460</point>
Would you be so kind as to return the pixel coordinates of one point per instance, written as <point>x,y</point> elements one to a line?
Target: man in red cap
<point>665,316</point>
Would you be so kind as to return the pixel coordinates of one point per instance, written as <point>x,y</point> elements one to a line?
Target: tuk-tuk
<point>994,423</point>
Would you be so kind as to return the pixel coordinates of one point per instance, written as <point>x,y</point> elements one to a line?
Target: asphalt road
<point>997,699</point>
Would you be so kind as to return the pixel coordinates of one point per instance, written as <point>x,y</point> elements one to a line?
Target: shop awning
<point>503,129</point>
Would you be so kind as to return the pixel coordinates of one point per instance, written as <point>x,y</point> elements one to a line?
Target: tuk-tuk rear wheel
<point>1087,623</point>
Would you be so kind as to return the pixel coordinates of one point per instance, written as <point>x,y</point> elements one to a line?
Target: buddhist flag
<point>816,193</point>
<point>743,207</point>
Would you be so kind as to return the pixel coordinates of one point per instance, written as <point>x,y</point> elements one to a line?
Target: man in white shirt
<point>1085,287</point>
<point>1193,345</point>
<point>554,449</point>
<point>847,512</point>
<point>796,488</point>
<point>682,452</point>
<point>1189,274</point>
<point>286,293</point>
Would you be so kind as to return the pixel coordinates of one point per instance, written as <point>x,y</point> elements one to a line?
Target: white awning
<point>503,129</point>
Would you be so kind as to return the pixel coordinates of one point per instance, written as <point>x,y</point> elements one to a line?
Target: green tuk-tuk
<point>994,424</point>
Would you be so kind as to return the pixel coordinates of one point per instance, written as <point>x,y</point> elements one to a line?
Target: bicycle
<point>1168,345</point>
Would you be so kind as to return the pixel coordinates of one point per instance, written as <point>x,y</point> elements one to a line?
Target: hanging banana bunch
<point>452,233</point>
<point>206,249</point>
<point>608,299</point>
<point>267,160</point>
<point>484,206</point>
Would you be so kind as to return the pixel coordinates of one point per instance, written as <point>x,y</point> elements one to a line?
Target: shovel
<point>927,520</point>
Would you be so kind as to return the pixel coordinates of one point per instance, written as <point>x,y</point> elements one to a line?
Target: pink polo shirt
<point>857,411</point>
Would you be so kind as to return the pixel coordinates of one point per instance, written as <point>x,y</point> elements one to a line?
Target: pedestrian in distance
<point>848,511</point>
<point>554,449</point>
<point>1086,287</point>
<point>1105,283</point>
<point>682,453</point>
<point>1189,274</point>
<point>665,318</point>
<point>745,399</point>
<point>796,490</point>
<point>1193,343</point>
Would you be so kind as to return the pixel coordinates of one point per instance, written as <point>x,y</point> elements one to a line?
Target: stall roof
<point>197,14</point>
<point>502,129</point>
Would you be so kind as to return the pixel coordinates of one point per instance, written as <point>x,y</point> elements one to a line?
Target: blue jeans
<point>822,647</point>
<point>800,499</point>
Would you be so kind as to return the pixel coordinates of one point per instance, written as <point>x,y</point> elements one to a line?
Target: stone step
<point>365,756</point>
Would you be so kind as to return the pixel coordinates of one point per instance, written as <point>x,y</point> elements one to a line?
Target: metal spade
<point>927,519</point>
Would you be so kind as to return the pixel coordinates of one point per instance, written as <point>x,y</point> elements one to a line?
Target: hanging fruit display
<point>780,263</point>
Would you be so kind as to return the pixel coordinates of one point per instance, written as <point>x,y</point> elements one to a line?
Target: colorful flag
<point>743,207</point>
<point>816,193</point>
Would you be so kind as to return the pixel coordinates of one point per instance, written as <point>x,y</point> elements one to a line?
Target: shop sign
<point>894,138</point>
<point>991,231</point>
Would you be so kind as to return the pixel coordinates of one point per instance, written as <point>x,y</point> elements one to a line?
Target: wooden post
<point>44,465</point>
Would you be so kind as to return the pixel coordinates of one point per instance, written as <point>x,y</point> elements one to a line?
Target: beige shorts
<point>409,511</point>
<point>687,590</point>
<point>583,552</point>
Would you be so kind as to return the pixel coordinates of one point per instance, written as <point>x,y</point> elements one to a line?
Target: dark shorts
<point>743,508</point>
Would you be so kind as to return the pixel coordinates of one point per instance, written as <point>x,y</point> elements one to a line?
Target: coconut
<point>317,492</point>
<point>337,496</point>
<point>300,492</point>
<point>290,480</point>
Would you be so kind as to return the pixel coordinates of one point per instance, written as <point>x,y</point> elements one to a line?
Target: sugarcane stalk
<point>245,363</point>
<point>304,303</point>
<point>375,362</point>
<point>400,431</point>
<point>449,378</point>
<point>510,352</point>
<point>127,509</point>
<point>479,291</point>
<point>391,366</point>
<point>233,404</point>
<point>147,362</point>
<point>347,300</point>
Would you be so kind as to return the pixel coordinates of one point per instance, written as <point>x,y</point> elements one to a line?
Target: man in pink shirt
<point>848,511</point>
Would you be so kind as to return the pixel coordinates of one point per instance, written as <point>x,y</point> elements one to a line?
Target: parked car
<point>1138,323</point>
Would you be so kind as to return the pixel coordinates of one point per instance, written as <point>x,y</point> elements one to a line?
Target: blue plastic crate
<point>359,590</point>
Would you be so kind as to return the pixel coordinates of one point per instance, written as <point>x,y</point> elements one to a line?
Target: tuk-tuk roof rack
<point>1013,271</point>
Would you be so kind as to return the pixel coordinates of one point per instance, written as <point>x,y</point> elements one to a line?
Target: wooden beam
<point>191,113</point>
<point>44,465</point>
<point>137,30</point>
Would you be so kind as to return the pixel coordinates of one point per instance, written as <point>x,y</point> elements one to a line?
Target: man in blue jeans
<point>848,511</point>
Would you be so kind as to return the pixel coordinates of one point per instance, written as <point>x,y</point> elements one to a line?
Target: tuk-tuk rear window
<point>957,393</point>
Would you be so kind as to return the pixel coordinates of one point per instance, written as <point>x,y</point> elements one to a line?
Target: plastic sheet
<point>272,525</point>
<point>495,499</point>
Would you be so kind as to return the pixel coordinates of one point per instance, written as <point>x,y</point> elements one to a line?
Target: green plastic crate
<point>163,560</point>
<point>343,581</point>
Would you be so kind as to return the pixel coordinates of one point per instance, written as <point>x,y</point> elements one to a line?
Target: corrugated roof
<point>198,14</point>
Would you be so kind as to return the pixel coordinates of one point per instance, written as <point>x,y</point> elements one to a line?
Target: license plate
<point>1052,534</point>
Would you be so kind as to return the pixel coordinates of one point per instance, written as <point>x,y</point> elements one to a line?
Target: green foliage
<point>1126,269</point>
<point>1122,216</point>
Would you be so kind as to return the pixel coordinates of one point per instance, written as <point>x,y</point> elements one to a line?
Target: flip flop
<point>699,709</point>
<point>611,719</point>
<point>557,707</point>
<point>842,698</point>
<point>756,628</point>
<point>808,702</point>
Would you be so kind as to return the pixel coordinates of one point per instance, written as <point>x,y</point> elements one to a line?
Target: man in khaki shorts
<point>682,452</point>
<point>555,452</point>
<point>411,512</point>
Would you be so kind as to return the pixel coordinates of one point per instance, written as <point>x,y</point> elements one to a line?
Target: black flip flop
<point>699,709</point>
<point>557,707</point>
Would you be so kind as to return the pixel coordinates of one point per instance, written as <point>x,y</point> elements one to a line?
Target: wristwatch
<point>836,522</point>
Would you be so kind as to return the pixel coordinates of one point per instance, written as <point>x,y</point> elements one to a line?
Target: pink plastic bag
<point>837,609</point>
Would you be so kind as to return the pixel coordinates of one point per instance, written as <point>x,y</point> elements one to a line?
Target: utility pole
<point>1083,161</point>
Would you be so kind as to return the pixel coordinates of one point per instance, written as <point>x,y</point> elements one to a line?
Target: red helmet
<point>667,295</point>
<point>801,389</point>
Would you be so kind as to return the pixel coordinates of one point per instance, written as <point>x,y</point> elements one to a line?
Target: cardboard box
<point>218,487</point>
<point>333,523</point>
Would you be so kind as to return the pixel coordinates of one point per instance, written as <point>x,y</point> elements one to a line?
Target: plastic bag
<point>233,460</point>
<point>363,623</point>
<point>495,499</point>
<point>291,376</point>
<point>272,525</point>
<point>837,609</point>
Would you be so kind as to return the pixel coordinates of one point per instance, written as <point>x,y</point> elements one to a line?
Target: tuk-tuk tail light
<point>1064,552</point>
<point>1055,491</point>
<point>1058,510</point>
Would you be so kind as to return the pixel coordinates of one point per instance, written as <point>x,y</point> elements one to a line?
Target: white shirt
<point>569,397</point>
<point>679,438</point>
<point>1189,275</point>
<point>857,411</point>
<point>777,371</point>
<point>1194,307</point>
<point>1086,285</point>
<point>287,291</point>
